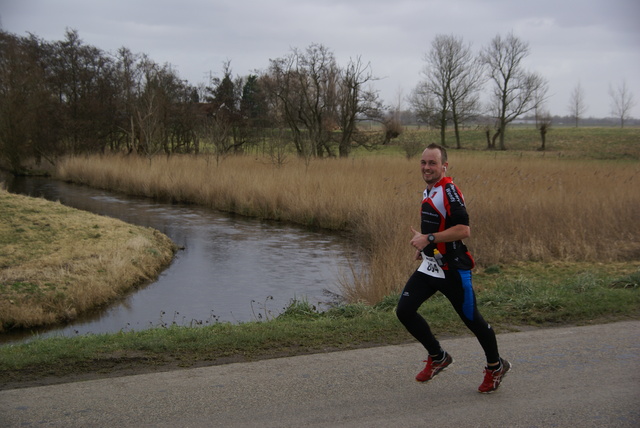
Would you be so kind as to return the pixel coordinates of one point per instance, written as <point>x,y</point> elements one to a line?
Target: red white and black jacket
<point>443,207</point>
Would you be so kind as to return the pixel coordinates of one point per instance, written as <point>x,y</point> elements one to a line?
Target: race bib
<point>430,267</point>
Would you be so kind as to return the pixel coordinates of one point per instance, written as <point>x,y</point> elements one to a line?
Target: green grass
<point>565,142</point>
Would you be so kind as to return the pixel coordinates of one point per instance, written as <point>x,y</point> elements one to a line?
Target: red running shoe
<point>493,378</point>
<point>434,367</point>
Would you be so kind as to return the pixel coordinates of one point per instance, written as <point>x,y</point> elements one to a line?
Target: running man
<point>446,267</point>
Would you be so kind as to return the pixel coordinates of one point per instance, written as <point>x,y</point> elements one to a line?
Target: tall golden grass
<point>528,208</point>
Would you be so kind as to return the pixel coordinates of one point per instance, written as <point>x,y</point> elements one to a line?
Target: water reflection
<point>231,269</point>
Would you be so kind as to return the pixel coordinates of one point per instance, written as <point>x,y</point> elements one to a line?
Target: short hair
<point>443,151</point>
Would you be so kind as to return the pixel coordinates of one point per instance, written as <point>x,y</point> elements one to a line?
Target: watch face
<point>431,238</point>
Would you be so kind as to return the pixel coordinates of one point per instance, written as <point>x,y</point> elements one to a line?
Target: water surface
<point>232,269</point>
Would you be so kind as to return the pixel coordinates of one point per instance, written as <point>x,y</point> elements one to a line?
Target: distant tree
<point>148,110</point>
<point>283,99</point>
<point>622,101</point>
<point>83,78</point>
<point>453,80</point>
<point>252,104</point>
<point>423,104</point>
<point>467,80</point>
<point>304,84</point>
<point>223,93</point>
<point>226,108</point>
<point>68,97</point>
<point>15,74</point>
<point>354,102</point>
<point>543,124</point>
<point>128,77</point>
<point>29,112</point>
<point>318,100</point>
<point>577,106</point>
<point>392,124</point>
<point>392,127</point>
<point>515,90</point>
<point>227,119</point>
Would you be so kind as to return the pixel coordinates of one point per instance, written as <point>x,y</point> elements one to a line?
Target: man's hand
<point>419,241</point>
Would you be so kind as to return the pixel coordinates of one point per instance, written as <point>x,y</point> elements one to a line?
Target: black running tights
<point>457,287</point>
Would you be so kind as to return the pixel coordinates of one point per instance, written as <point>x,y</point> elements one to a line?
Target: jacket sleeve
<point>456,209</point>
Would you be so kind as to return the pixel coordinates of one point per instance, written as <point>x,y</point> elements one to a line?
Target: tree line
<point>67,97</point>
<point>455,77</point>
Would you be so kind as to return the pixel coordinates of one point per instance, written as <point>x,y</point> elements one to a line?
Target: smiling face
<point>432,167</point>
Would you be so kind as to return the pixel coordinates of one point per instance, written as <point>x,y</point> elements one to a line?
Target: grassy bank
<point>57,262</point>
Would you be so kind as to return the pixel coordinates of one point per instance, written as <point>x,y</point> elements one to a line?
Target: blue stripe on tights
<point>468,303</point>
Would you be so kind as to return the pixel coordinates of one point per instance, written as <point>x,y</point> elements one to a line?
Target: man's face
<point>431,166</point>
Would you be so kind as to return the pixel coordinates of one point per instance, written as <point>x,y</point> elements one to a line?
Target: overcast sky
<point>592,42</point>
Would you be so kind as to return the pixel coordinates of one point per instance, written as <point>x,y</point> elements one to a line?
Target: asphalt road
<point>564,377</point>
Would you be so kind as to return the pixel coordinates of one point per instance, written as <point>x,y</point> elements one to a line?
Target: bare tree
<point>438,74</point>
<point>355,102</point>
<point>467,79</point>
<point>622,102</point>
<point>319,101</point>
<point>515,90</point>
<point>577,106</point>
<point>129,75</point>
<point>304,84</point>
<point>423,104</point>
<point>453,80</point>
<point>283,98</point>
<point>217,132</point>
<point>30,118</point>
<point>69,97</point>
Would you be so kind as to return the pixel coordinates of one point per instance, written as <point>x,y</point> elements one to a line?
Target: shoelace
<point>491,375</point>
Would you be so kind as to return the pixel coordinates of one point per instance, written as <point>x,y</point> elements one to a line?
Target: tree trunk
<point>501,130</point>
<point>443,128</point>
<point>495,137</point>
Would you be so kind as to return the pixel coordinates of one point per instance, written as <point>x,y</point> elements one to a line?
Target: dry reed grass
<point>522,208</point>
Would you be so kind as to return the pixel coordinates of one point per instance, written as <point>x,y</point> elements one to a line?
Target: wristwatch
<point>431,238</point>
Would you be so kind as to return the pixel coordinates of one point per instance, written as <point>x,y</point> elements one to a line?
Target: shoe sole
<point>503,376</point>
<point>437,373</point>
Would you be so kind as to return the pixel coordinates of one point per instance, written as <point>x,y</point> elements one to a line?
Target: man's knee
<point>404,313</point>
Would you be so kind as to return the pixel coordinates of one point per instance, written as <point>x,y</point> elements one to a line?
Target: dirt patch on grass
<point>120,364</point>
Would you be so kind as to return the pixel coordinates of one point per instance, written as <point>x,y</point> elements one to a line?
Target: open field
<point>562,142</point>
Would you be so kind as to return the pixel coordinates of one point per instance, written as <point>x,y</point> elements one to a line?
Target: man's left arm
<point>454,233</point>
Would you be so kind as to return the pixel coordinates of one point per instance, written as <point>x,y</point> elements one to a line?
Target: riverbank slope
<point>57,262</point>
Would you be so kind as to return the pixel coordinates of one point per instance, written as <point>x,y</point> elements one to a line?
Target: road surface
<point>585,376</point>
